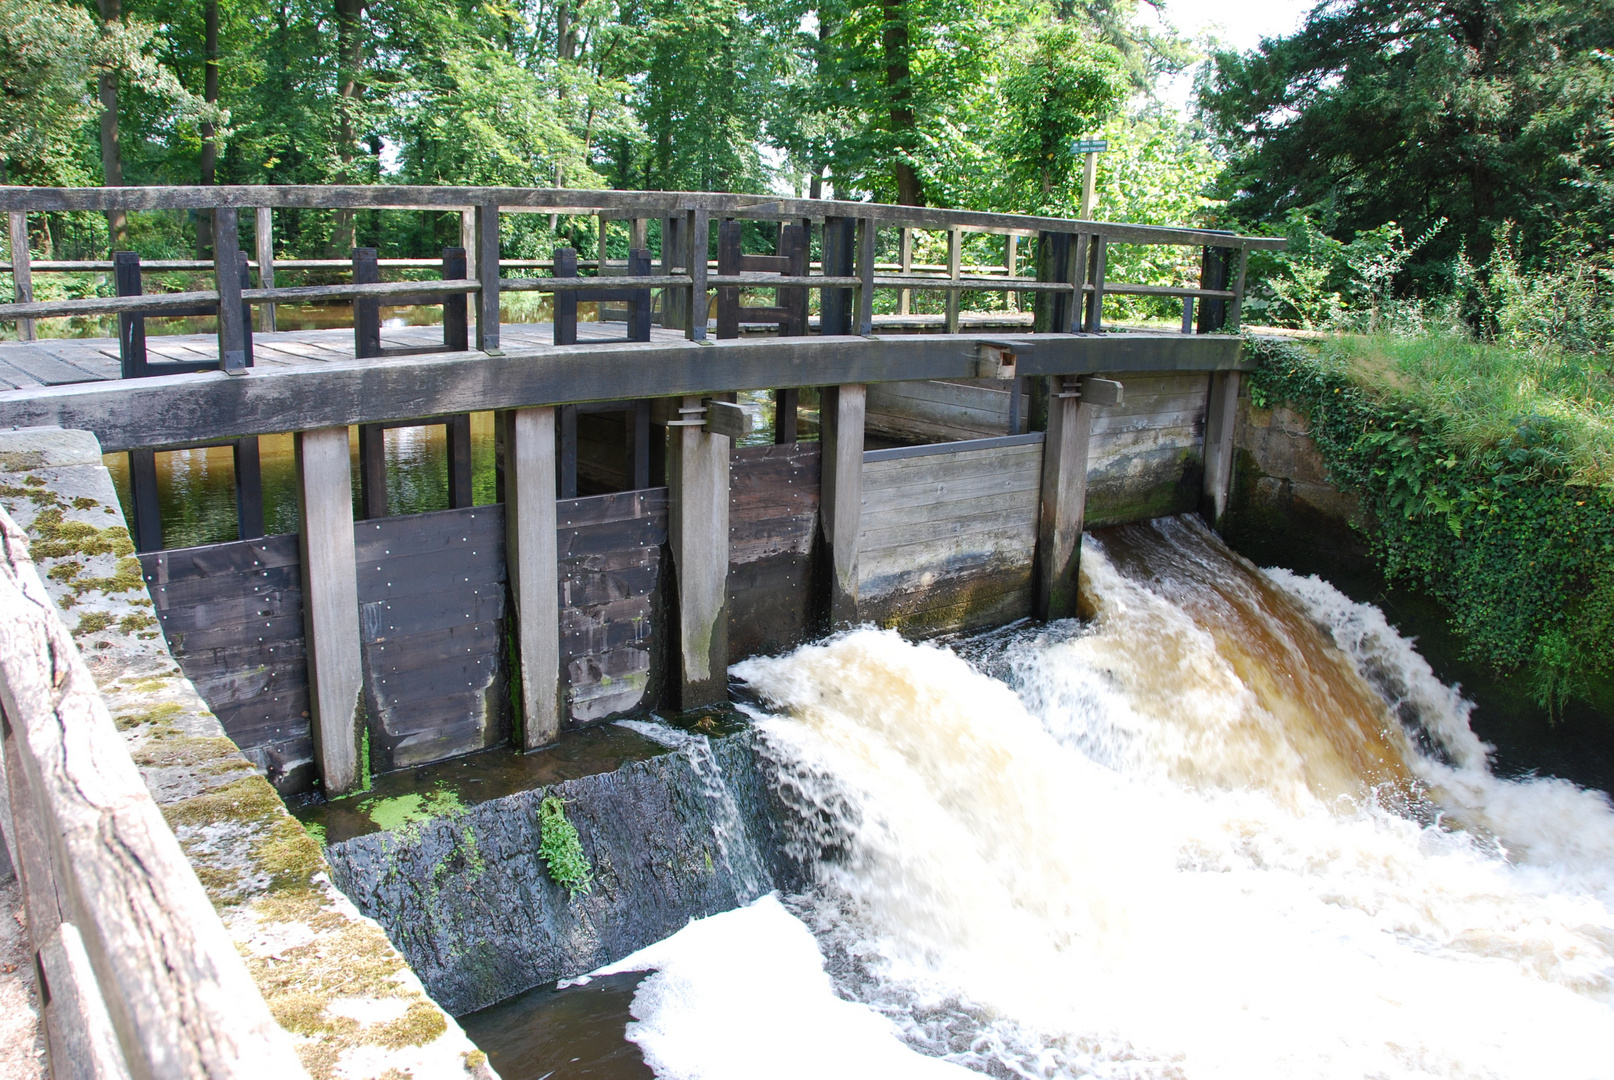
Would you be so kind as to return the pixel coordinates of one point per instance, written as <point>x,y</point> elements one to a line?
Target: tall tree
<point>111,150</point>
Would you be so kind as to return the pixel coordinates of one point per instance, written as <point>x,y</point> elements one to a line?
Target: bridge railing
<point>1068,284</point>
<point>137,975</point>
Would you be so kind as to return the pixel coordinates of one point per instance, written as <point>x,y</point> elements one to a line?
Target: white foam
<point>743,995</point>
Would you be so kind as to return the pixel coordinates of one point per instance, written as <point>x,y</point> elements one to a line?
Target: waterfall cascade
<point>1229,826</point>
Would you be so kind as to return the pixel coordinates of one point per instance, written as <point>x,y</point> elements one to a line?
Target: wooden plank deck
<point>57,361</point>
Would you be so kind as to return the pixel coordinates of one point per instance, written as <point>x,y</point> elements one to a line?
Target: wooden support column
<point>905,261</point>
<point>1011,263</point>
<point>840,515</point>
<point>1053,309</point>
<point>22,271</point>
<point>1095,299</point>
<point>636,420</point>
<point>1064,500</point>
<point>566,463</point>
<point>1213,274</point>
<point>674,248</point>
<point>263,236</point>
<point>487,272</point>
<point>459,461</point>
<point>785,406</point>
<point>131,328</point>
<point>234,327</point>
<point>955,270</point>
<point>1221,411</point>
<point>456,323</point>
<point>147,524</point>
<point>331,608</point>
<point>248,490</point>
<point>372,471</point>
<point>531,554</point>
<point>698,533</point>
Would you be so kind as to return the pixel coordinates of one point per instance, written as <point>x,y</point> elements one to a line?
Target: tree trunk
<point>111,153</point>
<point>899,88</point>
<point>350,58</point>
<point>210,146</point>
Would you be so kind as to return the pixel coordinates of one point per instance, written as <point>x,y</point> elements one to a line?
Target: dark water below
<point>571,1034</point>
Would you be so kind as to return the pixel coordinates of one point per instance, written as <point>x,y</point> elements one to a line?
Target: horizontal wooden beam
<point>177,410</point>
<point>647,204</point>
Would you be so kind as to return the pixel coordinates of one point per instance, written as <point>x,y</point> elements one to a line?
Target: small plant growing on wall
<point>561,849</point>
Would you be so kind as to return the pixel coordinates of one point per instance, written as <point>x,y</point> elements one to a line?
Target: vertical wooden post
<point>905,260</point>
<point>1188,314</point>
<point>699,238</point>
<point>566,478</point>
<point>1213,275</point>
<point>459,461</point>
<point>639,306</point>
<point>532,559</point>
<point>22,271</point>
<point>1221,413</point>
<point>565,327</point>
<point>835,304</point>
<point>1064,500</point>
<point>487,272</point>
<point>698,533</point>
<point>1077,276</point>
<point>131,327</point>
<point>637,422</point>
<point>331,608</point>
<point>638,233</point>
<point>263,237</point>
<point>866,234</point>
<point>1011,263</point>
<point>468,239</point>
<point>728,262</point>
<point>674,247</point>
<point>840,514</point>
<point>1052,309</point>
<point>372,471</point>
<point>1095,299</point>
<point>148,526</point>
<point>793,247</point>
<point>248,490</point>
<point>1235,316</point>
<point>233,328</point>
<point>955,270</point>
<point>456,325</point>
<point>785,405</point>
<point>366,312</point>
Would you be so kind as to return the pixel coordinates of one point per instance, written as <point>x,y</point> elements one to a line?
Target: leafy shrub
<point>1498,502</point>
<point>561,850</point>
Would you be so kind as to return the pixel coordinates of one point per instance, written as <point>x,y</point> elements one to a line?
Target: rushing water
<point>1231,826</point>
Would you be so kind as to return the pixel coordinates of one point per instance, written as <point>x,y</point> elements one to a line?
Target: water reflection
<point>571,1034</point>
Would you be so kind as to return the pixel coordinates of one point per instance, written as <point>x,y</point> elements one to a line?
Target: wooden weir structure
<point>372,643</point>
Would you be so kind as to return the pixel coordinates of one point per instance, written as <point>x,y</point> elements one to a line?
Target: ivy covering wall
<point>1508,532</point>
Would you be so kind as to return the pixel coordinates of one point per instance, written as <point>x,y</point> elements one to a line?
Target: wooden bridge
<point>387,642</point>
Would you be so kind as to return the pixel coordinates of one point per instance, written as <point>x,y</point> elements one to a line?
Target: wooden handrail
<point>144,980</point>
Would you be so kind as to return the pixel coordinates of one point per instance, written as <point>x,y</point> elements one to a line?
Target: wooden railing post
<point>840,516</point>
<point>372,471</point>
<point>1011,263</point>
<point>955,270</point>
<point>248,489</point>
<point>22,276</point>
<point>131,328</point>
<point>1095,299</point>
<point>905,261</point>
<point>456,326</point>
<point>1053,310</point>
<point>835,304</point>
<point>263,236</point>
<point>674,248</point>
<point>698,534</point>
<point>366,312</point>
<point>531,554</point>
<point>1213,274</point>
<point>234,329</point>
<point>565,326</point>
<point>699,238</point>
<point>1236,315</point>
<point>866,235</point>
<point>458,437</point>
<point>147,524</point>
<point>487,272</point>
<point>331,608</point>
<point>729,232</point>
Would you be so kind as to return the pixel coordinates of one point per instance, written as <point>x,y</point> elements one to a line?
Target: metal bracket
<point>1092,390</point>
<point>715,418</point>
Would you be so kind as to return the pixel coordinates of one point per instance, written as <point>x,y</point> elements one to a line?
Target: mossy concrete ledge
<point>329,975</point>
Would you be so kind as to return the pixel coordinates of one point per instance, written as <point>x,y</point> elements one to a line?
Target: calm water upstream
<point>1231,826</point>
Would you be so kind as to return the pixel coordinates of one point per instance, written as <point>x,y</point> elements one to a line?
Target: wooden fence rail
<point>138,977</point>
<point>847,275</point>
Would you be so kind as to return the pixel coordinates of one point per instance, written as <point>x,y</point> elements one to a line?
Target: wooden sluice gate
<point>634,548</point>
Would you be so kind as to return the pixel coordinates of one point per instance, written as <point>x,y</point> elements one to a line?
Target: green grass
<point>1491,396</point>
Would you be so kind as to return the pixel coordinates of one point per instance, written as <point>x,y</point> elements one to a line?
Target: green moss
<point>158,714</point>
<point>315,831</point>
<point>33,481</point>
<point>84,502</point>
<point>56,538</point>
<point>136,620</point>
<point>65,571</point>
<point>92,622</point>
<point>400,812</point>
<point>128,577</point>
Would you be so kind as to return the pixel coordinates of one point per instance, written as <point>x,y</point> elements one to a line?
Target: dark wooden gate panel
<point>773,514</point>
<point>233,617</point>
<point>611,551</point>
<point>432,605</point>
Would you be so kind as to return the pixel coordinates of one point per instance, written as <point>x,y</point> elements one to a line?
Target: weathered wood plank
<point>698,535</point>
<point>841,496</point>
<point>532,548</point>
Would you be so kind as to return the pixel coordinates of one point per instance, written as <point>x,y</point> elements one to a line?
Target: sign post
<point>1092,148</point>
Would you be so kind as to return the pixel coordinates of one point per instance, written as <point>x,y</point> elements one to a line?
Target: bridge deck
<point>60,361</point>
